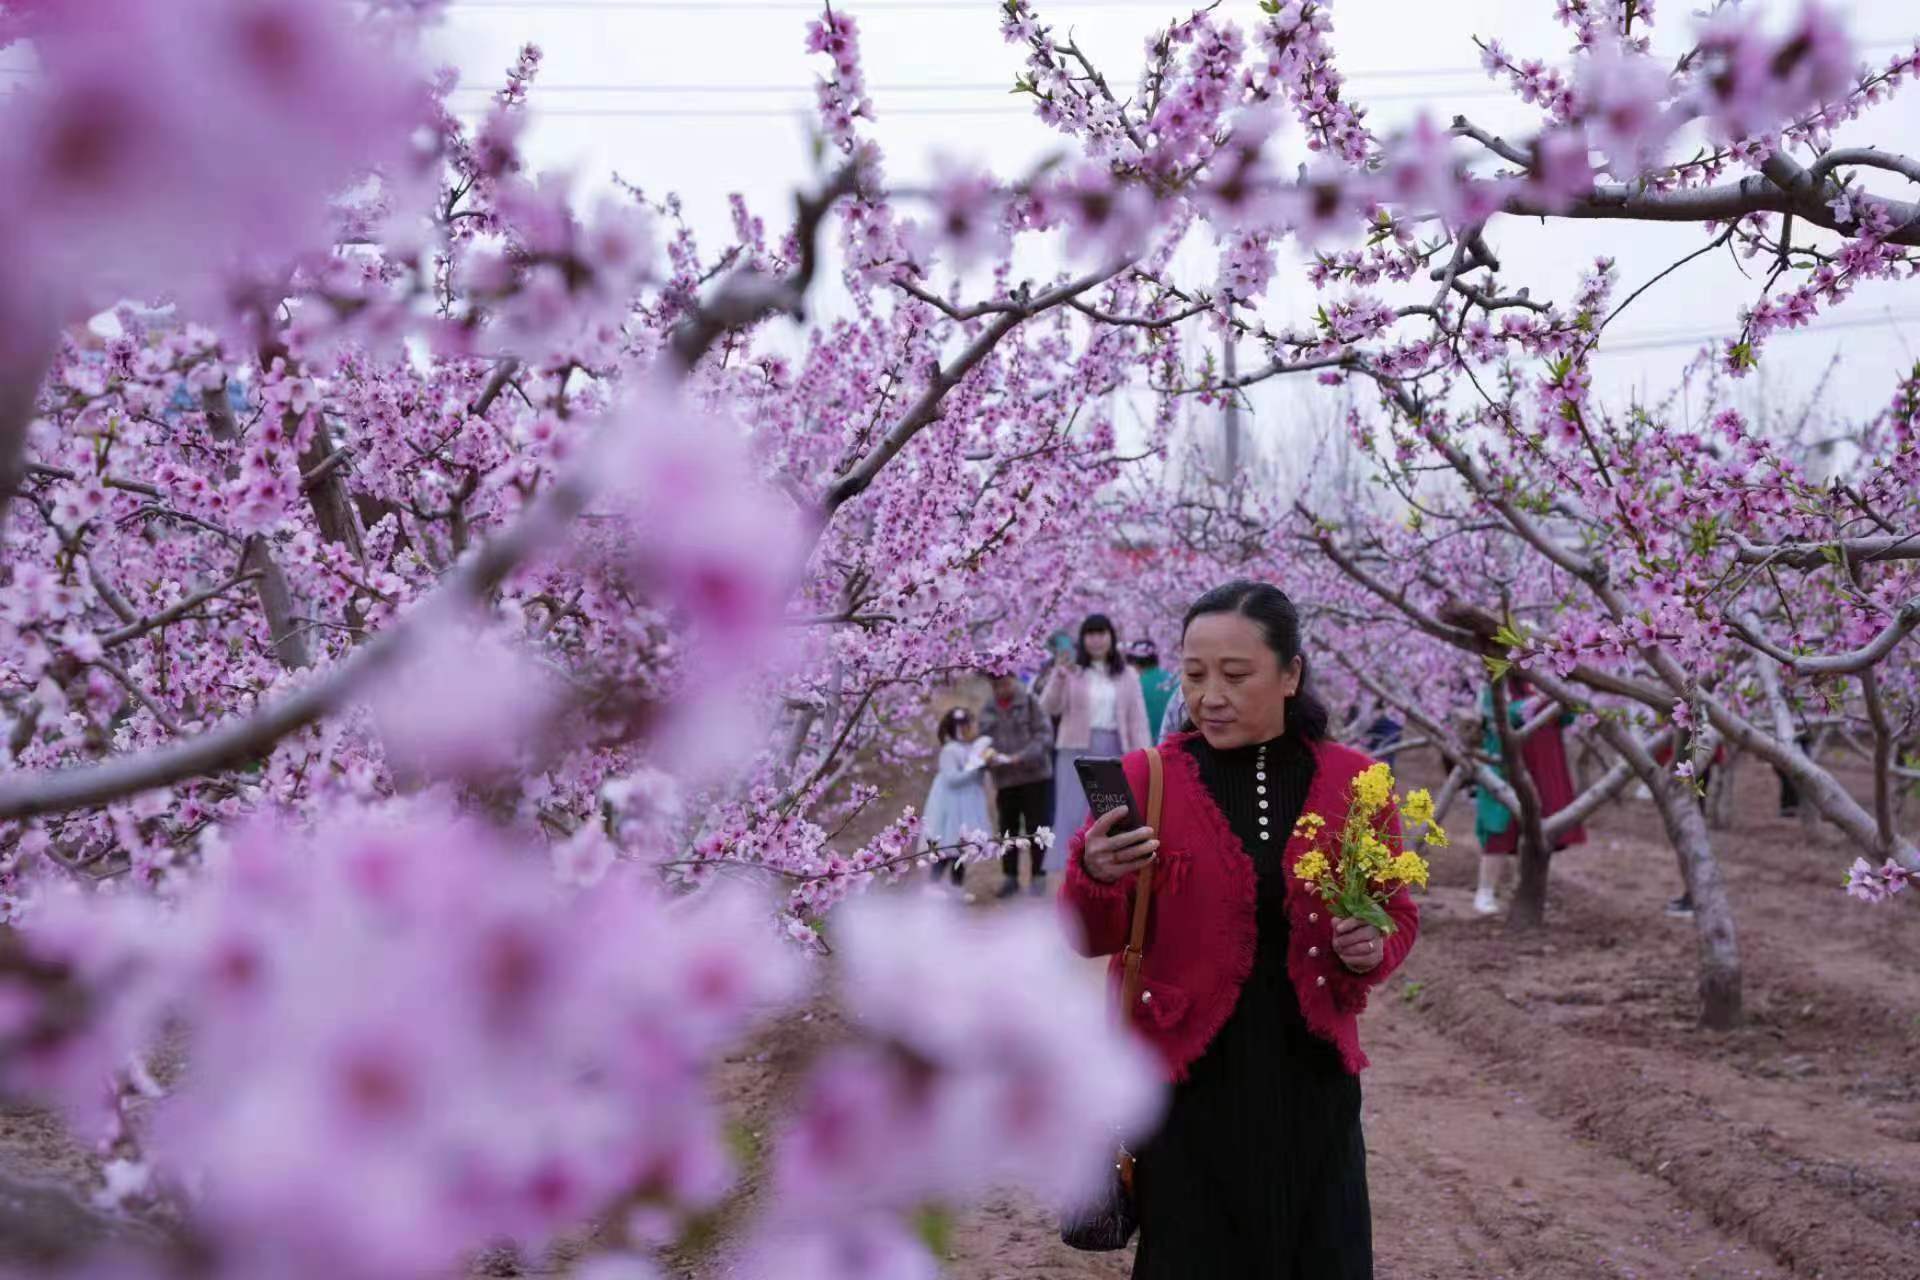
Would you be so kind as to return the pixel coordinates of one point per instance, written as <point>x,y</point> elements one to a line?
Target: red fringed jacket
<point>1200,931</point>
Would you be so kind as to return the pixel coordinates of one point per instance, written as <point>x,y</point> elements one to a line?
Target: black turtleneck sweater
<point>1259,1170</point>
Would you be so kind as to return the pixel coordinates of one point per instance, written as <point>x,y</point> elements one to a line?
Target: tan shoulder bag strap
<point>1137,940</point>
<point>1142,892</point>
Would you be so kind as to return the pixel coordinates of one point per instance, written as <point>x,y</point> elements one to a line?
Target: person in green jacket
<point>1157,685</point>
<point>1545,756</point>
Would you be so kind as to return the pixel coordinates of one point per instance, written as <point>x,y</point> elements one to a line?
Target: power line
<point>885,113</point>
<point>1655,341</point>
<point>954,86</point>
<point>791,6</point>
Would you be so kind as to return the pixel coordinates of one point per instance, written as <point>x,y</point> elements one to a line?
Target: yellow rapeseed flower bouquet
<point>1363,872</point>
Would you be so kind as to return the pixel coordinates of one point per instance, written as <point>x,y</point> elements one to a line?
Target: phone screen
<point>1105,783</point>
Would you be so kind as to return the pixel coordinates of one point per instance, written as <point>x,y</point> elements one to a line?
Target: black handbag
<point>1107,1223</point>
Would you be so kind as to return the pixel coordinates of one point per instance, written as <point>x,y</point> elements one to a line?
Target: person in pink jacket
<point>1102,713</point>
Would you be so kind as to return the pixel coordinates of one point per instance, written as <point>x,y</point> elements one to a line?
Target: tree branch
<point>503,373</point>
<point>1729,203</point>
<point>173,613</point>
<point>927,408</point>
<point>239,742</point>
<point>111,482</point>
<point>111,594</point>
<point>1865,157</point>
<point>1140,322</point>
<point>1279,368</point>
<point>749,295</point>
<point>1464,128</point>
<point>1814,783</point>
<point>1814,555</point>
<point>140,695</point>
<point>1904,620</point>
<point>1484,774</point>
<point>325,467</point>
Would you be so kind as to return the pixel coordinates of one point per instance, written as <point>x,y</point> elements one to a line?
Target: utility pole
<point>1231,365</point>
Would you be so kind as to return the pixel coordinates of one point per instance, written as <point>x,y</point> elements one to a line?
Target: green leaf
<point>1361,906</point>
<point>1497,668</point>
<point>743,1143</point>
<point>933,1223</point>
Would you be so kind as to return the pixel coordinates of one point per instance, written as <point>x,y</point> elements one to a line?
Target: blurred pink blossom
<point>464,701</point>
<point>153,149</point>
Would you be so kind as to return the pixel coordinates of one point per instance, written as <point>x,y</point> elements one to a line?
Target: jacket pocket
<point>1160,1005</point>
<point>1172,867</point>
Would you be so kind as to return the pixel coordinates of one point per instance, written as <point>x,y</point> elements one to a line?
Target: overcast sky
<point>708,97</point>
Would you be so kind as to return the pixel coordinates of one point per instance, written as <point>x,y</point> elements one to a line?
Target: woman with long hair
<point>1250,987</point>
<point>1101,710</point>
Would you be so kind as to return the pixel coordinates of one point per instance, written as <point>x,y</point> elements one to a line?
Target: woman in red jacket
<point>1250,988</point>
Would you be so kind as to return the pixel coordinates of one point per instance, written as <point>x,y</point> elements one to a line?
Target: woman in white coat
<point>1102,713</point>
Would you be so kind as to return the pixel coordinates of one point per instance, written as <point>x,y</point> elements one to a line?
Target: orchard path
<point>1470,1181</point>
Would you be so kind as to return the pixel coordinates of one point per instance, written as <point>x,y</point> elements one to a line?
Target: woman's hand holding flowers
<point>1360,946</point>
<point>1354,869</point>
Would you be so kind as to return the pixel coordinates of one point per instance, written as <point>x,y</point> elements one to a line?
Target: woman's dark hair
<point>950,723</point>
<point>1268,607</point>
<point>1100,622</point>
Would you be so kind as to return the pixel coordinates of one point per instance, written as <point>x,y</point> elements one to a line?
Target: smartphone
<point>1105,783</point>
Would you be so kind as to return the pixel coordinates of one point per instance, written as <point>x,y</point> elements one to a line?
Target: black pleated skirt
<point>1260,1170</point>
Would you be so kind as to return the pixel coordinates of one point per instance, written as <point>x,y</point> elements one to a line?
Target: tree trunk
<point>1809,820</point>
<point>1719,955</point>
<point>1720,794</point>
<point>333,507</point>
<point>1528,910</point>
<point>19,388</point>
<point>276,601</point>
<point>1680,813</point>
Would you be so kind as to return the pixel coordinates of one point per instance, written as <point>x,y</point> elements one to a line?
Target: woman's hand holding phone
<point>1108,857</point>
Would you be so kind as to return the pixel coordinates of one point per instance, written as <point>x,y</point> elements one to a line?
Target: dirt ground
<point>1543,1107</point>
